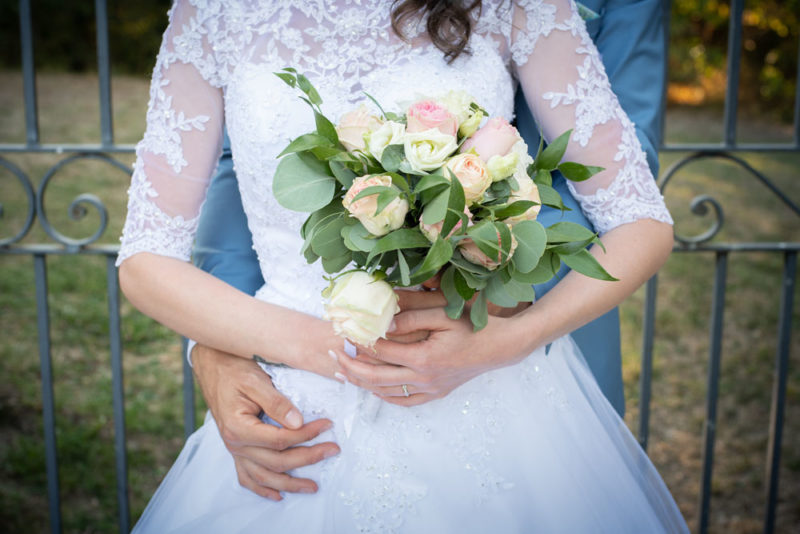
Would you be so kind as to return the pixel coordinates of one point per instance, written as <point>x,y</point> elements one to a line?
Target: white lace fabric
<point>216,67</point>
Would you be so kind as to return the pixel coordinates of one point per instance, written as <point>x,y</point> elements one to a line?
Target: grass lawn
<point>152,359</point>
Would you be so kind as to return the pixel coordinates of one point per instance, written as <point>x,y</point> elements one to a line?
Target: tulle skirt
<point>534,447</point>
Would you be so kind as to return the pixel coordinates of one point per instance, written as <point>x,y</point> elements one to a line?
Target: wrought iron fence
<point>106,150</point>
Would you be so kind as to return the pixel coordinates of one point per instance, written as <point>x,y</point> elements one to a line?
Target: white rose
<point>527,191</point>
<point>524,159</point>
<point>390,133</point>
<point>361,307</point>
<point>457,103</point>
<point>363,209</point>
<point>427,150</point>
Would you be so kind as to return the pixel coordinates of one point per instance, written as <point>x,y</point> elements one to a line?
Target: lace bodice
<point>216,64</point>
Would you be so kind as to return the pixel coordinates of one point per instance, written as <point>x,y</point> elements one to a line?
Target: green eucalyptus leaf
<point>431,181</point>
<point>306,142</point>
<point>485,236</point>
<point>439,254</point>
<point>402,265</point>
<point>402,238</point>
<point>511,210</point>
<point>479,313</point>
<point>543,177</point>
<point>578,172</point>
<point>583,262</point>
<point>551,156</point>
<point>455,302</point>
<point>455,207</point>
<point>392,157</point>
<point>344,175</point>
<point>386,198</point>
<point>565,231</point>
<point>460,282</point>
<point>531,242</point>
<point>302,183</point>
<point>550,197</point>
<point>436,209</point>
<point>496,292</point>
<point>334,265</point>
<point>327,242</point>
<point>326,128</point>
<point>289,79</point>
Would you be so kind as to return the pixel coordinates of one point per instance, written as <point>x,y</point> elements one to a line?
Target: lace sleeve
<point>566,87</point>
<point>181,145</point>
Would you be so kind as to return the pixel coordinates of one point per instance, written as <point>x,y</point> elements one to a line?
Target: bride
<point>531,445</point>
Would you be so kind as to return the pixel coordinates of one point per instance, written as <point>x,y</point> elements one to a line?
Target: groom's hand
<point>237,391</point>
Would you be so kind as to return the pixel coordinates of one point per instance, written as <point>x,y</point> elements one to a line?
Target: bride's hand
<point>430,369</point>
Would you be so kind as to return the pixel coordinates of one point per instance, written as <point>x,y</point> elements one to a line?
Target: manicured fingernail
<point>330,452</point>
<point>333,355</point>
<point>392,326</point>
<point>340,377</point>
<point>307,490</point>
<point>294,419</point>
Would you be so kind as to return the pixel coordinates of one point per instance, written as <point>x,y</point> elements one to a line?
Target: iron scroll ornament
<point>702,204</point>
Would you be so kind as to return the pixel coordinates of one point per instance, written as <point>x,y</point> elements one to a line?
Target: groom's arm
<point>237,391</point>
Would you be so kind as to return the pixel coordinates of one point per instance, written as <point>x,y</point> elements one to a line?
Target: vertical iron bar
<point>797,102</point>
<point>188,394</point>
<point>48,403</point>
<point>117,393</point>
<point>646,377</point>
<point>104,73</point>
<point>666,17</point>
<point>28,73</point>
<point>715,355</point>
<point>779,389</point>
<point>734,57</point>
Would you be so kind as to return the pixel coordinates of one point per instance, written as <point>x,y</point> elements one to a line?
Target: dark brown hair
<point>449,23</point>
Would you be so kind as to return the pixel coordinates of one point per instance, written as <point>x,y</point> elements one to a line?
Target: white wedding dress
<point>530,448</point>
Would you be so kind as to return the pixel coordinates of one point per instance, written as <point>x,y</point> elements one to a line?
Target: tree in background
<point>698,43</point>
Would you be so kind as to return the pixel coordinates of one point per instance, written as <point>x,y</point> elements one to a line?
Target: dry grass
<point>153,363</point>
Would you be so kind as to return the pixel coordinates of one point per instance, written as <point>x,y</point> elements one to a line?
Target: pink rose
<point>363,209</point>
<point>473,254</point>
<point>472,174</point>
<point>432,231</point>
<point>427,114</point>
<point>495,138</point>
<point>527,191</point>
<point>353,125</point>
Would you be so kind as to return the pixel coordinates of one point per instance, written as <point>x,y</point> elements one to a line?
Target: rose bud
<point>432,231</point>
<point>472,253</point>
<point>363,209</point>
<point>361,307</point>
<point>390,133</point>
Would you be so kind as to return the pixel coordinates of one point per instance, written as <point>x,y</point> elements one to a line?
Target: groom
<point>629,35</point>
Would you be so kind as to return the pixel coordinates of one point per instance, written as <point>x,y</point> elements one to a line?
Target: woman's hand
<point>430,369</point>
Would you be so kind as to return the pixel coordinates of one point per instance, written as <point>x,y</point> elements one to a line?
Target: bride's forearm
<point>203,308</point>
<point>634,252</point>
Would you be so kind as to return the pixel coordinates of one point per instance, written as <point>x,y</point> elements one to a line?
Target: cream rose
<point>361,307</point>
<point>427,114</point>
<point>472,253</point>
<point>527,191</point>
<point>495,138</point>
<point>363,209</point>
<point>354,125</point>
<point>428,150</point>
<point>390,133</point>
<point>472,175</point>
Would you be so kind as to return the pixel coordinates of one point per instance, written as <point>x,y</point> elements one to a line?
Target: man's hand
<point>237,391</point>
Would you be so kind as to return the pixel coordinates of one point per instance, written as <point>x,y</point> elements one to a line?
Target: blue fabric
<point>630,37</point>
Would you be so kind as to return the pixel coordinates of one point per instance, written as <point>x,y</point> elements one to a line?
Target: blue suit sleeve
<point>224,245</point>
<point>630,37</point>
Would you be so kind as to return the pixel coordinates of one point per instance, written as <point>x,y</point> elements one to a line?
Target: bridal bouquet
<point>397,198</point>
